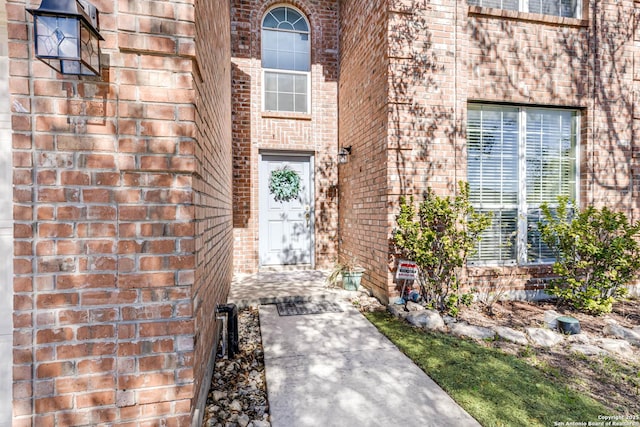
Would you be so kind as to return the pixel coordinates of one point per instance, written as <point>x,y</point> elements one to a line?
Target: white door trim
<point>311,157</point>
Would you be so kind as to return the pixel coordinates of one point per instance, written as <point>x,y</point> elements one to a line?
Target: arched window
<point>286,61</point>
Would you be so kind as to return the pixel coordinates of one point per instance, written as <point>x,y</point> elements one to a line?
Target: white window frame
<point>522,205</point>
<point>280,71</point>
<point>523,6</point>
<point>284,71</point>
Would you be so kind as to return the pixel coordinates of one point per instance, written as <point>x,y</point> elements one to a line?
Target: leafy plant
<point>339,268</point>
<point>284,184</point>
<point>494,293</point>
<point>439,237</point>
<point>597,254</point>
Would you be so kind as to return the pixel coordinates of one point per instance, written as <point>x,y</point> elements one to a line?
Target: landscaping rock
<point>544,337</point>
<point>236,406</point>
<point>448,320</point>
<point>427,319</point>
<point>632,336</point>
<point>550,319</point>
<point>243,420</point>
<point>587,349</point>
<point>412,306</point>
<point>616,346</point>
<point>578,339</point>
<point>397,310</point>
<point>614,329</point>
<point>218,395</point>
<point>509,334</point>
<point>463,329</point>
<point>238,395</point>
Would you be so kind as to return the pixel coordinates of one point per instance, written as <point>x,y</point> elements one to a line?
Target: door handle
<point>308,218</point>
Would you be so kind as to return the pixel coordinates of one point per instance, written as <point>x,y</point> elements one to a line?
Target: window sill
<point>285,115</point>
<point>525,16</point>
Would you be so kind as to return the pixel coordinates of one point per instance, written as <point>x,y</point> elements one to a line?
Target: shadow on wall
<point>420,116</point>
<point>252,131</point>
<point>241,143</point>
<point>426,131</point>
<point>605,90</point>
<point>424,127</point>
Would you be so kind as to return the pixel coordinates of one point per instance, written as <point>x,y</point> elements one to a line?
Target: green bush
<point>596,252</point>
<point>439,237</point>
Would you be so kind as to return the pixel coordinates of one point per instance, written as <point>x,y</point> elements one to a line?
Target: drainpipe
<point>229,317</point>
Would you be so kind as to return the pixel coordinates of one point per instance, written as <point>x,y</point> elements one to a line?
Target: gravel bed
<point>238,394</point>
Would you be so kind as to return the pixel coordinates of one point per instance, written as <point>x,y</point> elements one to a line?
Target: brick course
<point>123,238</point>
<point>255,131</point>
<point>439,56</point>
<point>136,194</point>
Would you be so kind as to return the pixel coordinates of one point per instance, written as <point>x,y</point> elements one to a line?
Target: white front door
<point>286,236</point>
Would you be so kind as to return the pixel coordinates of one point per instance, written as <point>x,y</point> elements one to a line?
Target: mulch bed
<point>613,381</point>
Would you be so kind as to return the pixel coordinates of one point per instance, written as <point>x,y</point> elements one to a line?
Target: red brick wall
<point>212,185</point>
<point>364,121</point>
<point>440,57</point>
<point>117,221</point>
<point>253,131</point>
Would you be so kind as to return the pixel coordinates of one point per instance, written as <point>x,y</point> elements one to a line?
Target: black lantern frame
<point>343,155</point>
<point>66,36</point>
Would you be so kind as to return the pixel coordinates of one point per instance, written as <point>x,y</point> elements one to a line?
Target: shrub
<point>597,254</point>
<point>439,237</point>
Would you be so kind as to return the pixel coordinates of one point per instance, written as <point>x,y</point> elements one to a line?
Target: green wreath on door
<point>284,184</point>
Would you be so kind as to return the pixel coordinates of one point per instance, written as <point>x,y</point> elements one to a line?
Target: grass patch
<point>497,389</point>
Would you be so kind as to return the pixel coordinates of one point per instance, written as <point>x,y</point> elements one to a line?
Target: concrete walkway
<point>336,369</point>
<point>271,287</point>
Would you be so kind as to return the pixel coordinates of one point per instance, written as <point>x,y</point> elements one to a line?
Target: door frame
<point>312,195</point>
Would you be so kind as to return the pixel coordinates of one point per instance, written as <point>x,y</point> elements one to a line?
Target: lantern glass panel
<point>90,48</point>
<point>57,37</point>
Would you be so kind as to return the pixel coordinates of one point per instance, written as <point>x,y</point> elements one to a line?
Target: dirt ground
<point>612,380</point>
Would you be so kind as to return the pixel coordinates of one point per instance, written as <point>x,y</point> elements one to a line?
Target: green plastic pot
<point>351,280</point>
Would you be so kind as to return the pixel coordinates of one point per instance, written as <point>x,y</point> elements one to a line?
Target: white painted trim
<point>279,71</point>
<point>523,207</point>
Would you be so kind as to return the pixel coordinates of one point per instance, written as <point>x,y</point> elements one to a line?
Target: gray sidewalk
<point>336,369</point>
<point>270,287</point>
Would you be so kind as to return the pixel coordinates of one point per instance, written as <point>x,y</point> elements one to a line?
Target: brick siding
<point>122,218</point>
<point>254,131</point>
<point>136,194</point>
<point>441,56</point>
<point>364,122</point>
<point>212,185</point>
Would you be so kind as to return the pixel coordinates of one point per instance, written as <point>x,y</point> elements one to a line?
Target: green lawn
<point>497,389</point>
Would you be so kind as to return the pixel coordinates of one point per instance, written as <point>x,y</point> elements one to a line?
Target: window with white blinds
<point>564,8</point>
<point>517,159</point>
<point>286,61</point>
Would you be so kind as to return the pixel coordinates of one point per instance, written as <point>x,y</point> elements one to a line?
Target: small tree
<point>439,237</point>
<point>596,252</point>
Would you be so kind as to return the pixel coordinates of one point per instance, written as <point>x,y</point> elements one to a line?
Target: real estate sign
<point>407,270</point>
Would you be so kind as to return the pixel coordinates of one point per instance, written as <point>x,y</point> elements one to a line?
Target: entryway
<point>286,226</point>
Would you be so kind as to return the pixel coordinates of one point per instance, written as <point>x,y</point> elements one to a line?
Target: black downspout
<point>232,328</point>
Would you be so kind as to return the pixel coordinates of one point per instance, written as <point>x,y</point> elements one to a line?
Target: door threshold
<point>276,268</point>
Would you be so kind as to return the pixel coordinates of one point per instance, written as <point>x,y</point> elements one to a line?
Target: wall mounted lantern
<point>343,155</point>
<point>67,37</point>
